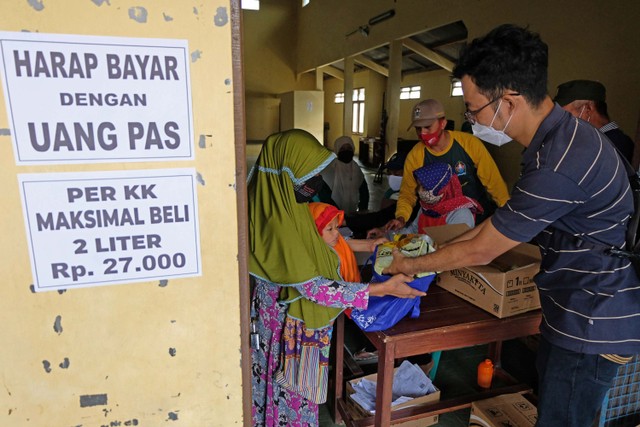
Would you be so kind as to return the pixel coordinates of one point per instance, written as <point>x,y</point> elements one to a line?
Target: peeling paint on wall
<point>65,363</point>
<point>202,141</point>
<point>227,82</point>
<point>99,2</point>
<point>195,55</point>
<point>93,400</point>
<point>162,283</point>
<point>5,131</point>
<point>200,179</point>
<point>166,17</point>
<point>173,416</point>
<point>221,17</point>
<point>172,352</point>
<point>47,366</point>
<point>57,325</point>
<point>138,14</point>
<point>36,4</point>
<point>195,10</point>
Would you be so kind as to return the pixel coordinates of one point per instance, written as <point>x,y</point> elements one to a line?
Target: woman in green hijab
<point>298,291</point>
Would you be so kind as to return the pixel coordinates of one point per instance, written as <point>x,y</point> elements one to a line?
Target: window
<point>357,125</point>
<point>358,111</point>
<point>250,4</point>
<point>410,92</point>
<point>456,88</point>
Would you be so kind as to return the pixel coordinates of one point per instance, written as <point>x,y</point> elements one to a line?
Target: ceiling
<point>431,50</point>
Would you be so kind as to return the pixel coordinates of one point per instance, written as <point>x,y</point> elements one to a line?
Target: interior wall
<point>587,39</point>
<point>269,64</point>
<point>161,352</point>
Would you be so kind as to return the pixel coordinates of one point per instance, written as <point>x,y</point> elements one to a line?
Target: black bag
<point>632,237</point>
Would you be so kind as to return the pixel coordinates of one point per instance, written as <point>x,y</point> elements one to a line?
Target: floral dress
<point>290,397</point>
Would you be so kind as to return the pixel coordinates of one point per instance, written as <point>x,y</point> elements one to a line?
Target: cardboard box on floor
<point>359,413</point>
<point>503,287</point>
<point>504,410</point>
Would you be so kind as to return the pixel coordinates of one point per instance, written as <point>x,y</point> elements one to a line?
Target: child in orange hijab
<point>328,219</point>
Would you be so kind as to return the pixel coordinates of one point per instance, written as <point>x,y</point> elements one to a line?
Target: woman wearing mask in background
<point>297,288</point>
<point>349,189</point>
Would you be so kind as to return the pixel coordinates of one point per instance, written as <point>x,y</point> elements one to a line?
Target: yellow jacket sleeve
<point>486,167</point>
<point>408,197</point>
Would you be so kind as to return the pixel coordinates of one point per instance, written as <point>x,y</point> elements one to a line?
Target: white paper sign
<point>100,228</point>
<point>88,99</point>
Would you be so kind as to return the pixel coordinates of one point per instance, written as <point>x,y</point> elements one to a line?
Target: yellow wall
<point>162,354</point>
<point>269,38</point>
<point>587,39</point>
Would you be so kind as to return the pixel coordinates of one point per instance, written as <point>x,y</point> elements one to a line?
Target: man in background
<point>586,100</point>
<point>466,154</point>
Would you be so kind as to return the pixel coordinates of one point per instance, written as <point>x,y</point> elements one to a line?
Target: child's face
<point>330,232</point>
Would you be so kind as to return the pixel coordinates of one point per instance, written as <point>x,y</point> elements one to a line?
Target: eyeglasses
<point>470,116</point>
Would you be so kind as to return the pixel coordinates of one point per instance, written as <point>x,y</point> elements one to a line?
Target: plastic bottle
<point>485,373</point>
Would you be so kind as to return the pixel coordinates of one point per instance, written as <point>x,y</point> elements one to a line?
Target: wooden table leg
<point>495,352</point>
<point>384,386</point>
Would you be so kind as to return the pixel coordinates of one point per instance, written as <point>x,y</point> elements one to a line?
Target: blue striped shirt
<point>573,180</point>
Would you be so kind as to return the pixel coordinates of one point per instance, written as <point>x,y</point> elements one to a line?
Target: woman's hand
<point>395,224</point>
<point>375,233</point>
<point>395,286</point>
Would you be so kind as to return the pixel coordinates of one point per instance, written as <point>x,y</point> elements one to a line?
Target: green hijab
<point>285,247</point>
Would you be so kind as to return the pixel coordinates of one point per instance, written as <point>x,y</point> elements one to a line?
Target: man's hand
<point>395,224</point>
<point>395,286</point>
<point>398,264</point>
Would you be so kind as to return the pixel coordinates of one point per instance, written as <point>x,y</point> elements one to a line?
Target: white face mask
<point>394,182</point>
<point>491,135</point>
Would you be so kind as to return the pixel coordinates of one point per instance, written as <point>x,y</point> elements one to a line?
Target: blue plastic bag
<point>384,312</point>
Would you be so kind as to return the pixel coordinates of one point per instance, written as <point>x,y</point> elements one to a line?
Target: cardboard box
<point>504,287</point>
<point>359,413</point>
<point>504,410</point>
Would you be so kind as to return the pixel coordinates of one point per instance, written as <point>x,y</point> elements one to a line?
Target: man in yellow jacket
<point>476,169</point>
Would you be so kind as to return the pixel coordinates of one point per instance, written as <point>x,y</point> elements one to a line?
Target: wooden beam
<point>361,59</point>
<point>332,71</point>
<point>431,55</point>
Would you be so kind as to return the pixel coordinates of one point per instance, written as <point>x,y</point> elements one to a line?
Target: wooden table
<point>446,322</point>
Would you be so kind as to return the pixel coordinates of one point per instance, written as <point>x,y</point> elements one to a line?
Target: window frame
<point>410,92</point>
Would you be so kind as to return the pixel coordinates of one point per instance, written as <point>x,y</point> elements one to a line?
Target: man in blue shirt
<point>573,199</point>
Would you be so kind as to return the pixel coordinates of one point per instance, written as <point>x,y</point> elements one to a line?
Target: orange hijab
<point>323,214</point>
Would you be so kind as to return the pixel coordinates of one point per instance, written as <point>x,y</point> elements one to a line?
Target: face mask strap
<point>496,115</point>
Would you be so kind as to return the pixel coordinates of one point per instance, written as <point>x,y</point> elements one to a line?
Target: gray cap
<point>425,113</point>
